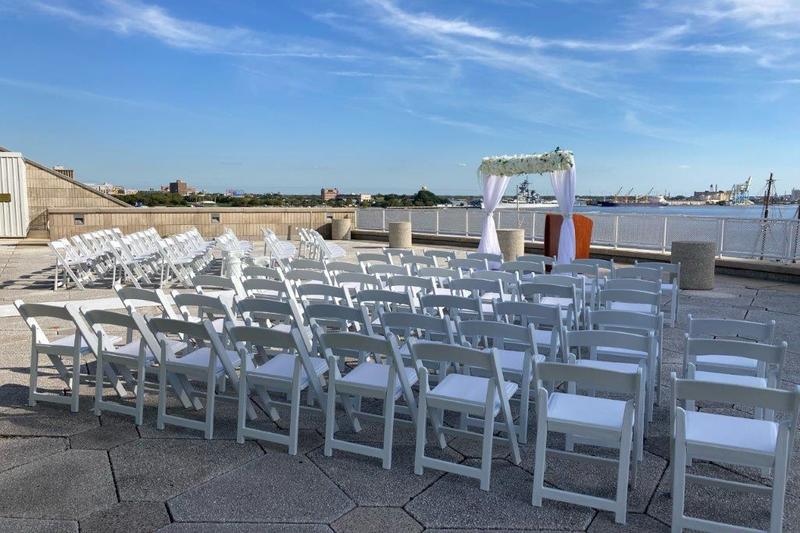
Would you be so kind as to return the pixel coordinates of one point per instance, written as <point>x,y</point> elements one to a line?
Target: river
<point>728,211</point>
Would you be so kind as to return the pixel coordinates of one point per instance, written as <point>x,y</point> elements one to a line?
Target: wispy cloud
<point>59,90</point>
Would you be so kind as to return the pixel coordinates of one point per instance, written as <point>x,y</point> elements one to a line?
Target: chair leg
<point>34,377</point>
<point>388,428</point>
<point>422,420</point>
<point>98,385</point>
<point>162,395</point>
<point>486,450</point>
<point>678,485</point>
<point>779,483</point>
<point>241,412</point>
<point>75,393</point>
<point>139,418</point>
<point>539,463</point>
<point>211,393</point>
<point>622,477</point>
<point>524,408</point>
<point>330,417</point>
<point>294,416</point>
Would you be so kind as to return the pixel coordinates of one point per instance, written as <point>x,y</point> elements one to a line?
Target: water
<point>728,211</point>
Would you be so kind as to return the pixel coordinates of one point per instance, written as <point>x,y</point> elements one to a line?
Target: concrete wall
<point>49,189</point>
<point>245,222</point>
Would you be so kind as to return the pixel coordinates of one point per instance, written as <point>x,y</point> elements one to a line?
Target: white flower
<point>510,165</point>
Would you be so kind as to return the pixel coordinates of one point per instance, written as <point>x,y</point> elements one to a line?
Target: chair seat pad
<point>545,338</point>
<point>132,349</point>
<point>731,432</point>
<point>442,290</point>
<point>603,413</point>
<point>69,340</point>
<point>636,308</point>
<point>554,300</point>
<point>734,379</point>
<point>198,359</point>
<point>621,352</point>
<point>219,324</point>
<point>512,361</point>
<point>470,390</point>
<point>733,361</point>
<point>627,368</point>
<point>376,376</point>
<point>281,367</point>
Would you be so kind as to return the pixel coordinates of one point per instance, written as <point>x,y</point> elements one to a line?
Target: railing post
<point>466,221</point>
<point>383,222</point>
<point>616,231</point>
<point>721,240</point>
<point>533,226</point>
<point>438,210</point>
<point>664,237</point>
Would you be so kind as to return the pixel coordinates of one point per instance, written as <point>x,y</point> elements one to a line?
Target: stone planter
<point>400,234</point>
<point>340,229</point>
<point>697,263</point>
<point>512,243</point>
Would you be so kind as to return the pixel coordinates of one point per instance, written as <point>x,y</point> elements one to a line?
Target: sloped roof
<point>71,180</point>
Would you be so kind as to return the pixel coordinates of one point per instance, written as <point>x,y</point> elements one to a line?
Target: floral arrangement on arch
<point>513,165</point>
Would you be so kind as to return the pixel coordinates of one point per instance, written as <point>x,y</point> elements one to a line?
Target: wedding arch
<point>495,173</point>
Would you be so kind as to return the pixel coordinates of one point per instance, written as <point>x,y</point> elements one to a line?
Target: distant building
<point>180,187</point>
<point>359,198</point>
<point>712,196</point>
<point>795,196</point>
<point>329,194</point>
<point>108,188</point>
<point>68,172</point>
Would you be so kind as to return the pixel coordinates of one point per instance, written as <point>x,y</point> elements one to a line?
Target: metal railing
<point>773,239</point>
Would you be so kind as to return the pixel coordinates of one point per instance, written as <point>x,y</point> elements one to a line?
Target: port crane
<point>740,192</point>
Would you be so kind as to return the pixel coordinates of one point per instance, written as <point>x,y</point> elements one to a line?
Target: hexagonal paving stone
<point>241,527</point>
<point>17,451</point>
<point>157,469</point>
<point>370,519</point>
<point>21,525</point>
<point>105,437</point>
<point>635,523</point>
<point>274,488</point>
<point>70,484</point>
<point>457,502</point>
<point>367,483</point>
<point>48,421</point>
<point>125,517</point>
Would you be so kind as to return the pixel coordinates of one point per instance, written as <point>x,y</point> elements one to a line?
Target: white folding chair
<point>583,348</point>
<point>724,328</point>
<point>606,422</point>
<point>441,257</point>
<point>477,396</point>
<point>204,359</point>
<point>670,288</point>
<point>275,361</point>
<point>731,440</point>
<point>515,347</point>
<point>769,358</point>
<point>386,378</point>
<point>547,320</point>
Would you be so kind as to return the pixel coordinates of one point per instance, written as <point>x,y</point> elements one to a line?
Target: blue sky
<point>388,95</point>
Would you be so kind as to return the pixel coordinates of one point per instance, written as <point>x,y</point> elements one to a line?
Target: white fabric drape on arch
<point>563,182</point>
<point>493,189</point>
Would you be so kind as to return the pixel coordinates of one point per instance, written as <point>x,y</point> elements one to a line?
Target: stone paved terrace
<point>77,472</point>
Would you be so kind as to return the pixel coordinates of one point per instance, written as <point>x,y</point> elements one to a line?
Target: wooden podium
<point>583,234</point>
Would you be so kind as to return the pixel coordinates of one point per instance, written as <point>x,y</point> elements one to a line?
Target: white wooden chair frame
<point>620,437</point>
<point>688,445</point>
<point>433,404</point>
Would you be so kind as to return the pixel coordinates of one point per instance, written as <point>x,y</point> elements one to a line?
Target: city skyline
<point>388,95</point>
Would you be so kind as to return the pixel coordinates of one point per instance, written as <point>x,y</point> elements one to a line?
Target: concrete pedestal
<point>340,229</point>
<point>697,263</point>
<point>400,234</point>
<point>512,243</point>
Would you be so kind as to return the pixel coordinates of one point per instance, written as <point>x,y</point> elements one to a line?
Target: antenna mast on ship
<point>765,214</point>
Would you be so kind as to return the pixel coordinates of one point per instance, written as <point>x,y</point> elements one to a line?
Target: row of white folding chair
<point>734,362</point>
<point>666,274</point>
<point>275,249</point>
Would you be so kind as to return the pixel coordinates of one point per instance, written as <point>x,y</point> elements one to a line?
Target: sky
<point>389,95</point>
